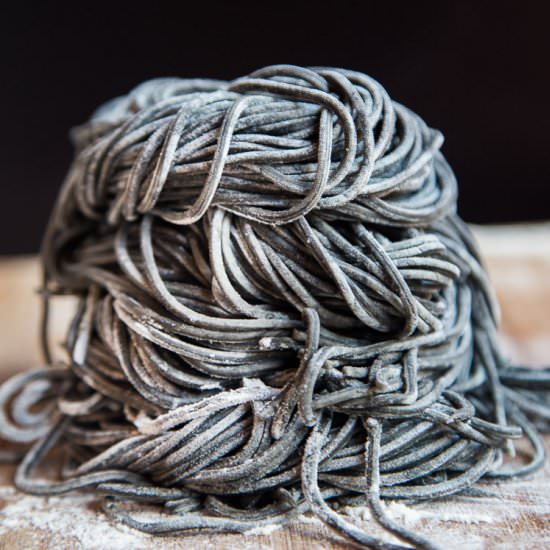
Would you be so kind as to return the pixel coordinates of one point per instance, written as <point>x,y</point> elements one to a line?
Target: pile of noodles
<point>279,311</point>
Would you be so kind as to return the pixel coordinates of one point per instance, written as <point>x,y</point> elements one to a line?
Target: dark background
<point>479,71</point>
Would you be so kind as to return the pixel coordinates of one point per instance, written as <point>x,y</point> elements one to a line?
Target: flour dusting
<point>70,518</point>
<point>264,530</point>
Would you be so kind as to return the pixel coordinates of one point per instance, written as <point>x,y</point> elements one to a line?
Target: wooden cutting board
<point>511,515</point>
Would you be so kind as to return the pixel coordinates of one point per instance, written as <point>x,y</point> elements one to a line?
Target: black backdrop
<point>477,70</point>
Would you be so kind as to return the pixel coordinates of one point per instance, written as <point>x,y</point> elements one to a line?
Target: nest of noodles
<point>279,310</point>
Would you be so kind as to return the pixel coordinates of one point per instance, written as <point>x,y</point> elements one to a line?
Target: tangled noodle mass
<point>279,310</point>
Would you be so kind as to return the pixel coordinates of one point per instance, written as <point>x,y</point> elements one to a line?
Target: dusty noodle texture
<point>279,310</point>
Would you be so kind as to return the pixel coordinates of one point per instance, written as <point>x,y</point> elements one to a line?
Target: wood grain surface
<point>509,515</point>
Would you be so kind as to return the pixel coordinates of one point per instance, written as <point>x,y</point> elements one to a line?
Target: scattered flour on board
<point>452,510</point>
<point>265,530</point>
<point>69,518</point>
<point>74,519</point>
<point>76,523</point>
